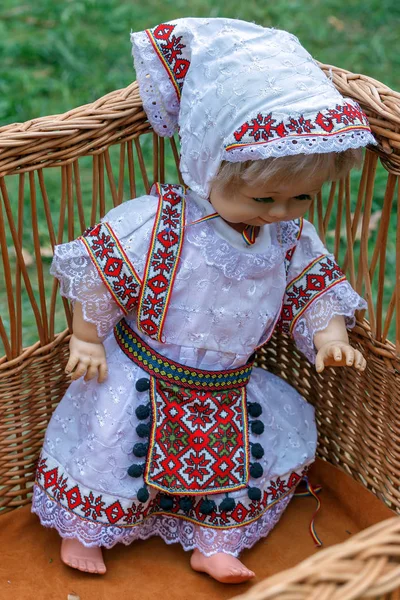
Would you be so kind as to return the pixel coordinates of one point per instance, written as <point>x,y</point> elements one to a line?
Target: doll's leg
<point>217,550</point>
<point>76,555</point>
<point>222,567</point>
<point>216,553</point>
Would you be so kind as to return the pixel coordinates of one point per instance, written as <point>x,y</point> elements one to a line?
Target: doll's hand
<point>339,354</point>
<point>86,357</point>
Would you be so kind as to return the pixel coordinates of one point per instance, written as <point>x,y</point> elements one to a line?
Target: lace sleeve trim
<point>340,300</point>
<point>79,281</point>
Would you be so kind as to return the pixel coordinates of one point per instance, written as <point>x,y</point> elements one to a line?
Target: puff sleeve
<point>102,268</point>
<point>316,291</point>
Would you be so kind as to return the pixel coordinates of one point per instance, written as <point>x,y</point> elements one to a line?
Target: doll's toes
<point>83,565</point>
<point>91,567</point>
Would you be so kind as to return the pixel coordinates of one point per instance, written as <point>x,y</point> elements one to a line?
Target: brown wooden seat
<point>31,568</point>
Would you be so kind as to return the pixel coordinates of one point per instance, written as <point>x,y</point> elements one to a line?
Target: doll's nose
<point>278,211</point>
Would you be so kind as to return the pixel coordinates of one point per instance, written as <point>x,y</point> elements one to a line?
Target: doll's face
<point>261,205</point>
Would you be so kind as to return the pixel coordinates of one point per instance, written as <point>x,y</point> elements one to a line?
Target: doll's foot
<point>76,555</point>
<point>222,567</point>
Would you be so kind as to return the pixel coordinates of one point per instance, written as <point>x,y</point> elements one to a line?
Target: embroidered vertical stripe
<point>162,260</point>
<point>113,265</point>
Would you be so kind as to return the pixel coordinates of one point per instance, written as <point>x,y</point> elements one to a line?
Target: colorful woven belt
<point>163,368</point>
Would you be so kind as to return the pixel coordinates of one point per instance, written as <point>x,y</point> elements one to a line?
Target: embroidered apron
<point>199,437</point>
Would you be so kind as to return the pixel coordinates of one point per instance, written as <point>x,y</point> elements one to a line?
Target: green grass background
<point>58,55</point>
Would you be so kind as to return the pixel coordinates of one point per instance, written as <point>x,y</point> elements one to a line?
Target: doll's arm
<point>334,349</point>
<point>87,354</point>
<point>319,303</point>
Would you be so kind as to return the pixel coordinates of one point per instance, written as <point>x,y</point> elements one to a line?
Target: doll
<point>167,428</point>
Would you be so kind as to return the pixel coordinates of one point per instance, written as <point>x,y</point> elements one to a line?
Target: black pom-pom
<point>166,503</point>
<point>254,409</point>
<point>136,470</point>
<point>143,430</point>
<point>143,384</point>
<point>254,493</point>
<point>257,427</point>
<point>143,494</point>
<point>256,470</point>
<point>186,504</point>
<point>207,507</point>
<point>142,412</point>
<point>140,450</point>
<point>227,505</point>
<point>257,450</point>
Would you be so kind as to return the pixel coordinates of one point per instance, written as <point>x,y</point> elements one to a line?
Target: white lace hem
<point>300,145</point>
<point>79,281</point>
<point>172,530</point>
<point>340,300</point>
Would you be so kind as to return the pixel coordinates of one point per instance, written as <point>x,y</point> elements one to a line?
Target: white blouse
<point>227,297</point>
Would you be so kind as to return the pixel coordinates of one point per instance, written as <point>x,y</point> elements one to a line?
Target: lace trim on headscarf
<point>268,127</point>
<point>155,96</point>
<point>309,145</point>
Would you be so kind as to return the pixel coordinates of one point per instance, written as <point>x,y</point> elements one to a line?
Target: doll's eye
<point>303,197</point>
<point>265,200</point>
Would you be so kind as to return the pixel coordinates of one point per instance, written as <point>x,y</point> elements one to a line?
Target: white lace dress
<point>226,301</point>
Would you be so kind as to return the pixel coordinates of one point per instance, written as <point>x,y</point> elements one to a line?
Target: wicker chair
<point>358,415</point>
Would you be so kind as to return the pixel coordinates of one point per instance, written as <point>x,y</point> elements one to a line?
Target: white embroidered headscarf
<point>237,91</point>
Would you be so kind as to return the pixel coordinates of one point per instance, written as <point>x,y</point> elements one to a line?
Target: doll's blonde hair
<point>262,172</point>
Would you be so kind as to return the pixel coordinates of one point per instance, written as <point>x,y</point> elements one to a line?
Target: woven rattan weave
<point>44,166</point>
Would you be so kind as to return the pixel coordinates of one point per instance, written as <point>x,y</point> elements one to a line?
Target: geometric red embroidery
<point>113,265</point>
<point>114,512</point>
<point>92,506</point>
<point>162,260</point>
<point>50,478</point>
<point>264,128</point>
<point>106,510</point>
<point>74,497</point>
<point>199,440</point>
<point>169,49</point>
<point>318,277</point>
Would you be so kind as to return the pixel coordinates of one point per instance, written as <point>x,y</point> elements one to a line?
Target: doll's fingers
<point>349,353</point>
<point>103,372</point>
<point>72,361</point>
<point>360,362</point>
<point>319,362</point>
<point>335,352</point>
<point>80,369</point>
<point>91,372</point>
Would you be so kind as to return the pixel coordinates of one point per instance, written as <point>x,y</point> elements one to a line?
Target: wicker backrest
<point>68,170</point>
